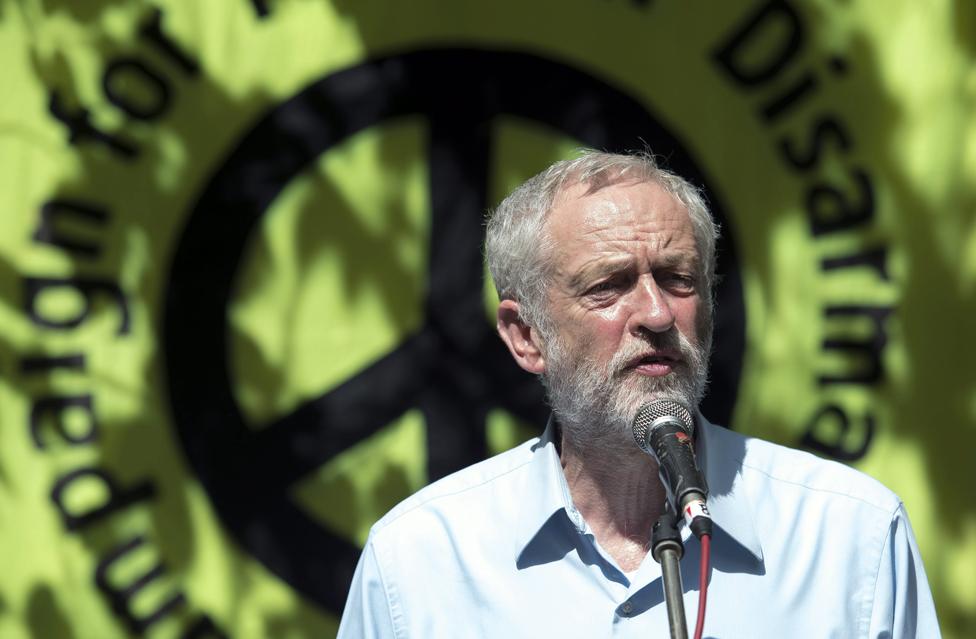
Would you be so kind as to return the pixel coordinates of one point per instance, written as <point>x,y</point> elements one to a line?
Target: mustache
<point>671,341</point>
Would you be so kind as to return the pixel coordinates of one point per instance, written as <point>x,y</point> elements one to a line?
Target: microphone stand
<point>667,550</point>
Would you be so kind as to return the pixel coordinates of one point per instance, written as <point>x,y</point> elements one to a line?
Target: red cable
<point>706,544</point>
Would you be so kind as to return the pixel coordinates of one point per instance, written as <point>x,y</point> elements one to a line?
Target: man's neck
<point>618,492</point>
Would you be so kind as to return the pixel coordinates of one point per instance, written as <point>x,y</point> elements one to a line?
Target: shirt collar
<point>548,493</point>
<point>720,456</point>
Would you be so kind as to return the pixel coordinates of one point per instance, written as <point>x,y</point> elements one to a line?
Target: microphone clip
<point>665,536</point>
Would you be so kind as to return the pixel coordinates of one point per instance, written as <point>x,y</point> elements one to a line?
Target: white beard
<point>596,407</point>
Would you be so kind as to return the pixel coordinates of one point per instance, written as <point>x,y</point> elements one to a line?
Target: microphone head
<point>657,412</point>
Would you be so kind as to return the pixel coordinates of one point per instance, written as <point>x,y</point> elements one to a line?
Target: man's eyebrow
<point>598,269</point>
<point>672,260</point>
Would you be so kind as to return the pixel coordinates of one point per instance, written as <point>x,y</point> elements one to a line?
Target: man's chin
<point>636,382</point>
<point>635,389</point>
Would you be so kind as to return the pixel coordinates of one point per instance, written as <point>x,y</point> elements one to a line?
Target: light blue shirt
<point>802,548</point>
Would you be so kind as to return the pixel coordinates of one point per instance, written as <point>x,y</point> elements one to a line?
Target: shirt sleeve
<point>367,612</point>
<point>903,607</point>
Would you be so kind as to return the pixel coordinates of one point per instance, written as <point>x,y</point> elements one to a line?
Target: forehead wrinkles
<point>626,223</point>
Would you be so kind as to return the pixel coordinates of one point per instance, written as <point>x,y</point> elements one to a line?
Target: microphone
<point>663,428</point>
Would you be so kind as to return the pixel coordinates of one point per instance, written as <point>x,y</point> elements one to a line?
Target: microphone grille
<point>653,411</point>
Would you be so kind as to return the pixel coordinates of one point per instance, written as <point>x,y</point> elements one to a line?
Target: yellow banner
<point>244,303</point>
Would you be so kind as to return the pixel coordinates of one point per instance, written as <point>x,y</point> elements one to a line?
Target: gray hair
<point>518,245</point>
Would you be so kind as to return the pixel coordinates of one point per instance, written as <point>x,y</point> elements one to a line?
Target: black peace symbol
<point>454,369</point>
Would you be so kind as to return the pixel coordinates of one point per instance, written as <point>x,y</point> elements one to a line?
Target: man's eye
<point>602,287</point>
<point>606,286</point>
<point>679,281</point>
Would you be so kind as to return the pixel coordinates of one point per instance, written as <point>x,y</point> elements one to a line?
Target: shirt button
<point>627,608</point>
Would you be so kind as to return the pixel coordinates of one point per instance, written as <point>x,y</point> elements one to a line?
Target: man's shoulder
<point>762,462</point>
<point>460,491</point>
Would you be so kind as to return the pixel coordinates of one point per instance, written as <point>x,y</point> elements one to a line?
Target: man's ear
<point>522,340</point>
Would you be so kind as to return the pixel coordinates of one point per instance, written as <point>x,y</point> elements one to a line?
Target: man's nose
<point>651,308</point>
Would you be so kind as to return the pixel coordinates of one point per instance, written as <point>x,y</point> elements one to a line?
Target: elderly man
<point>604,267</point>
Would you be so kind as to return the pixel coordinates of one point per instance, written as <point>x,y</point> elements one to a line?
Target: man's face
<point>625,308</point>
